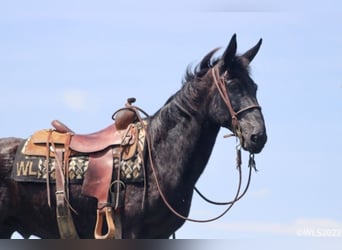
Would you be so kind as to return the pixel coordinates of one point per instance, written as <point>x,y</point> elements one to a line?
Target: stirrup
<point>101,213</point>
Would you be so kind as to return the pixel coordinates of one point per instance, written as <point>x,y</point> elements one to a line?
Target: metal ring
<point>121,183</point>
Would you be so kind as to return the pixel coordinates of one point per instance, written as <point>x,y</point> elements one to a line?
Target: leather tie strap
<point>65,222</point>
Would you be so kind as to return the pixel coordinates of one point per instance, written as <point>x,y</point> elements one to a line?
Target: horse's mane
<point>240,65</point>
<point>197,72</point>
<point>202,68</point>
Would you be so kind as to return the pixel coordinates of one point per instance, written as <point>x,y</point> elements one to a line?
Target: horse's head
<point>234,104</point>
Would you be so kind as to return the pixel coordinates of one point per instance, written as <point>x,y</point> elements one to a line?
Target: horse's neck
<point>182,144</point>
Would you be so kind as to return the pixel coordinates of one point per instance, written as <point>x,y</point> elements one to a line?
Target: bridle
<point>220,83</point>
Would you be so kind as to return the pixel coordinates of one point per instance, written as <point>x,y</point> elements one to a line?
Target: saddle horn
<point>125,116</point>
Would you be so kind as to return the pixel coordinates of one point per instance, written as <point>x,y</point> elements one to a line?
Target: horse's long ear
<point>229,53</point>
<point>250,54</point>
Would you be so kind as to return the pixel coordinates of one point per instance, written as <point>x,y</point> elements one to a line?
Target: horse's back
<point>8,148</point>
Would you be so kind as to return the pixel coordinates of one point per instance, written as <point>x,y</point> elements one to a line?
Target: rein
<point>170,206</point>
<point>221,86</point>
<point>251,165</point>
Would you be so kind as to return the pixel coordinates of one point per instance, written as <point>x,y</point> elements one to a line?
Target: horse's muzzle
<point>255,142</point>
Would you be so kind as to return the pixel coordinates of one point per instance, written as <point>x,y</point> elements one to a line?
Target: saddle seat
<point>94,142</point>
<point>62,135</point>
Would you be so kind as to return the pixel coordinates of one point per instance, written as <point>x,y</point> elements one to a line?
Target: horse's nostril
<point>256,143</point>
<point>258,139</point>
<point>254,138</point>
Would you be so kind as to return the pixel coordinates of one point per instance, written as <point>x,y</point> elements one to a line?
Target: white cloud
<point>75,99</point>
<point>255,227</point>
<point>261,193</point>
<point>301,227</point>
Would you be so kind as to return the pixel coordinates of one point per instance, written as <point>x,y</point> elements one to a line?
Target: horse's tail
<point>8,148</point>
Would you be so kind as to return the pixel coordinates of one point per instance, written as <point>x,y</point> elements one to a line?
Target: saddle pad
<point>33,168</point>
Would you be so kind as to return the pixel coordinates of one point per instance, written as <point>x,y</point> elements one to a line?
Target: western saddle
<point>117,141</point>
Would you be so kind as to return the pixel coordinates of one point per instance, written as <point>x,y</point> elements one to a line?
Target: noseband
<point>220,83</point>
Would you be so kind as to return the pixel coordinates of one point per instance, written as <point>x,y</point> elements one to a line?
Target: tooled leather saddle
<point>117,141</point>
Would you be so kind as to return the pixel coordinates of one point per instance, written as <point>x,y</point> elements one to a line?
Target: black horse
<point>182,134</point>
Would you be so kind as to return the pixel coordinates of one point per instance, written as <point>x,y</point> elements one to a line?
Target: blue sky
<point>79,61</point>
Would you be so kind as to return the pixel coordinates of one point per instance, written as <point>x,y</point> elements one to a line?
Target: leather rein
<point>221,86</point>
<point>220,83</point>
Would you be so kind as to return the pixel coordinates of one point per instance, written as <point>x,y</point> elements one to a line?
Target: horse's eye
<point>231,83</point>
